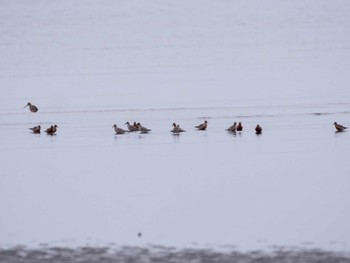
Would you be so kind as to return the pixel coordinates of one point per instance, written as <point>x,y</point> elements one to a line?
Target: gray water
<point>87,67</point>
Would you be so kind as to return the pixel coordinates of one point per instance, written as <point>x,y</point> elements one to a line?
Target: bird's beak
<point>25,106</point>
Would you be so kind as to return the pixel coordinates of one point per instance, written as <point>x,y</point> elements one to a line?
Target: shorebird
<point>143,129</point>
<point>118,130</point>
<point>239,127</point>
<point>132,128</point>
<point>202,126</point>
<point>232,128</point>
<point>339,127</point>
<point>176,129</point>
<point>35,129</point>
<point>54,129</point>
<point>32,108</point>
<point>51,130</point>
<point>136,126</point>
<point>258,129</point>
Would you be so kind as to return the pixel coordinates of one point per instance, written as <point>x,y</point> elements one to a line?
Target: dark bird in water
<point>118,130</point>
<point>35,129</point>
<point>176,129</point>
<point>239,127</point>
<point>136,126</point>
<point>131,127</point>
<point>202,126</point>
<point>143,129</point>
<point>258,129</point>
<point>51,130</point>
<point>232,128</point>
<point>32,108</point>
<point>339,127</point>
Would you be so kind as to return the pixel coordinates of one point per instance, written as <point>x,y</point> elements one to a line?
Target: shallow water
<point>213,187</point>
<point>284,66</point>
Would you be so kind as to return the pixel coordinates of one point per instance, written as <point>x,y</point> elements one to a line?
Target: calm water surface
<point>86,194</point>
<point>287,186</point>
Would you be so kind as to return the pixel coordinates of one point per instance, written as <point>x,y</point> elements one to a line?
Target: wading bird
<point>202,126</point>
<point>36,129</point>
<point>51,130</point>
<point>118,130</point>
<point>232,128</point>
<point>339,127</point>
<point>32,108</point>
<point>176,129</point>
<point>258,129</point>
<point>131,127</point>
<point>143,129</point>
<point>239,127</point>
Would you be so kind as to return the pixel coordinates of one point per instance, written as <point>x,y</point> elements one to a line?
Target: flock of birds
<point>176,127</point>
<point>37,129</point>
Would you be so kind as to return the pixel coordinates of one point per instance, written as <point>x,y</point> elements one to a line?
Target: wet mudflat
<point>163,254</point>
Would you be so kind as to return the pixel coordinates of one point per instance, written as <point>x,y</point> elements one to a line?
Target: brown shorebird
<point>118,130</point>
<point>232,128</point>
<point>176,129</point>
<point>51,130</point>
<point>136,126</point>
<point>143,129</point>
<point>202,126</point>
<point>339,127</point>
<point>239,127</point>
<point>32,108</point>
<point>35,129</point>
<point>132,128</point>
<point>54,128</point>
<point>258,129</point>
